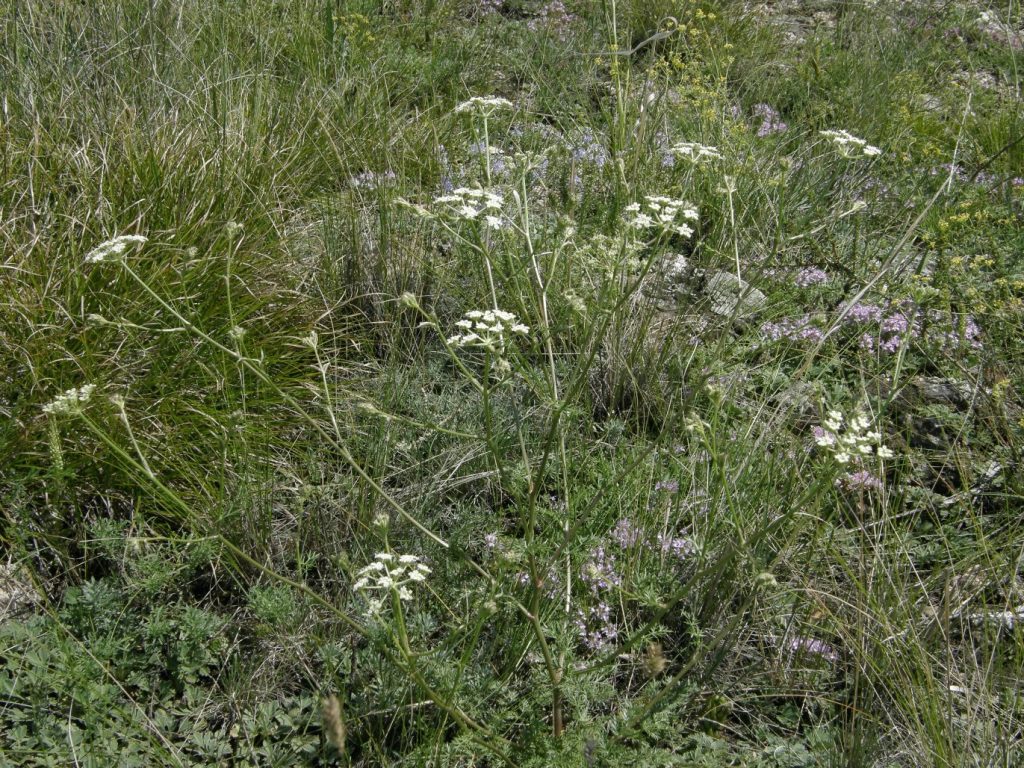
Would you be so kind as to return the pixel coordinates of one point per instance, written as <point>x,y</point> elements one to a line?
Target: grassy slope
<point>638,553</point>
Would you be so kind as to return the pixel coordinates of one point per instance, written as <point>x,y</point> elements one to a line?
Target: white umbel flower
<point>849,145</point>
<point>483,105</point>
<point>113,247</point>
<point>852,439</point>
<point>695,153</point>
<point>471,204</point>
<point>70,401</point>
<point>487,329</point>
<point>389,573</point>
<point>664,213</point>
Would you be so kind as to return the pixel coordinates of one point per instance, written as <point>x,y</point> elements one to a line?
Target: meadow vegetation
<point>511,383</point>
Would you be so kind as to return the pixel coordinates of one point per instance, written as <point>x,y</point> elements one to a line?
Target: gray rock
<point>731,296</point>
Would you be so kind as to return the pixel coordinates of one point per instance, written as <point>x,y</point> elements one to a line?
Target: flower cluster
<point>809,276</point>
<point>484,105</point>
<point>372,180</point>
<point>850,440</point>
<point>771,122</point>
<point>696,153</point>
<point>553,17</point>
<point>793,329</point>
<point>488,7</point>
<point>811,646</point>
<point>888,326</point>
<point>680,547</point>
<point>596,627</point>
<point>662,213</point>
<point>389,573</point>
<point>849,145</point>
<point>587,149</point>
<point>472,205</point>
<point>599,572</point>
<point>70,401</point>
<point>861,480</point>
<point>113,247</point>
<point>628,535</point>
<point>487,329</point>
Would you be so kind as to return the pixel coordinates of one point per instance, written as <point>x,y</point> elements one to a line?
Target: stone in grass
<point>732,296</point>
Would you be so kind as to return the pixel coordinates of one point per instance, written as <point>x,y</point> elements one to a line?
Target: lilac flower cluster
<point>811,646</point>
<point>864,313</point>
<point>792,329</point>
<point>861,480</point>
<point>663,143</point>
<point>550,583</point>
<point>628,535</point>
<point>966,335</point>
<point>679,547</point>
<point>599,572</point>
<point>883,328</point>
<point>488,7</point>
<point>553,17</point>
<point>498,163</point>
<point>596,628</point>
<point>672,486</point>
<point>771,122</point>
<point>809,276</point>
<point>372,180</point>
<point>960,174</point>
<point>587,149</point>
<point>447,176</point>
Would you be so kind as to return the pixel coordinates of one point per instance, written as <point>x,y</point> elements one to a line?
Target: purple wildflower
<point>626,533</point>
<point>550,583</point>
<point>770,121</point>
<point>812,646</point>
<point>809,276</point>
<point>599,572</point>
<point>553,17</point>
<point>589,150</point>
<point>862,480</point>
<point>372,180</point>
<point>487,7</point>
<point>864,313</point>
<point>822,436</point>
<point>792,329</point>
<point>596,628</point>
<point>677,546</point>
